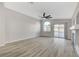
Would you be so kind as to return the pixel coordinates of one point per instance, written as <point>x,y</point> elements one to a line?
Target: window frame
<point>47,27</point>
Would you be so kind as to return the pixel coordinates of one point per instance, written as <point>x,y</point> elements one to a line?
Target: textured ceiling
<point>58,10</point>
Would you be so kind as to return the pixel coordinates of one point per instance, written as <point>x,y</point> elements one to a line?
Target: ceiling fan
<point>46,17</point>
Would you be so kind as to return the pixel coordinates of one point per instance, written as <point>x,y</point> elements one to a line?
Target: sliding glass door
<point>59,30</point>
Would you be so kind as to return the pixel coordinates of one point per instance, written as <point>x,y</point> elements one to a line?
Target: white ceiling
<point>58,10</point>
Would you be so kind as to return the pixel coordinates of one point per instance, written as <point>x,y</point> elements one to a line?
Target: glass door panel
<point>59,30</point>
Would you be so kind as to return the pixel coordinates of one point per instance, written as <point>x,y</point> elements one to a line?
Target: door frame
<point>64,30</point>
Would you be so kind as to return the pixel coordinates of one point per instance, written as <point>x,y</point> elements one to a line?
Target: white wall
<point>74,17</point>
<point>2,28</point>
<point>15,26</point>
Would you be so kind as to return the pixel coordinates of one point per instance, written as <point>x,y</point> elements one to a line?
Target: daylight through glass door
<point>59,30</point>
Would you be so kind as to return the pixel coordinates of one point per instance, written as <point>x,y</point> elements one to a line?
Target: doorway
<point>59,31</point>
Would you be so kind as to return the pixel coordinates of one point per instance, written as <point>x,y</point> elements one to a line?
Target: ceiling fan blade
<point>47,16</point>
<point>44,14</point>
<point>50,17</point>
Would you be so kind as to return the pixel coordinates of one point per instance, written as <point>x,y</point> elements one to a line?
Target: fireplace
<point>75,37</point>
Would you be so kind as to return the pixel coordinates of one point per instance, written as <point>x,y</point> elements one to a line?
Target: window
<point>59,30</point>
<point>47,26</point>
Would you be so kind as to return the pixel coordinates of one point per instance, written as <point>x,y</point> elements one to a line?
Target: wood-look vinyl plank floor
<point>39,47</point>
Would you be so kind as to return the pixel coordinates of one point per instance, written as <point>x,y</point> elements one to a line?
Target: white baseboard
<point>2,44</point>
<point>21,39</point>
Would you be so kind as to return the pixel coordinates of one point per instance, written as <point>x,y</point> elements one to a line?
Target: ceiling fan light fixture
<point>46,16</point>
